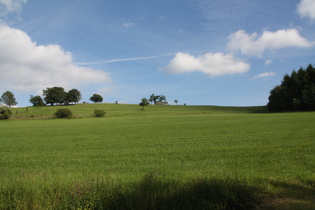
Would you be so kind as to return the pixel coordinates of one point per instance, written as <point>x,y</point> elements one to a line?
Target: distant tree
<point>152,99</point>
<point>5,113</point>
<point>54,95</point>
<point>8,99</point>
<point>37,101</point>
<point>96,98</point>
<point>296,92</point>
<point>73,96</point>
<point>162,98</point>
<point>144,102</point>
<point>176,101</point>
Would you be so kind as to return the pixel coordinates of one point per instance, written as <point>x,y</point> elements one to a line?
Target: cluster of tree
<point>56,95</point>
<point>155,98</point>
<point>296,92</point>
<point>8,99</point>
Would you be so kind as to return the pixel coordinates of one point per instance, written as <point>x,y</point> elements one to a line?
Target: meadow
<point>165,157</point>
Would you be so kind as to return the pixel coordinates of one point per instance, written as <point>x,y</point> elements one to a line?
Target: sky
<point>199,52</point>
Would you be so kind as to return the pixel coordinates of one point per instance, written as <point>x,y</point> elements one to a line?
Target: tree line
<point>295,93</point>
<point>51,96</point>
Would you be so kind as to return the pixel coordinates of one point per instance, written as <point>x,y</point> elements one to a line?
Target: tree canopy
<point>295,93</point>
<point>54,95</point>
<point>8,99</point>
<point>37,101</point>
<point>73,96</point>
<point>57,95</point>
<point>144,102</point>
<point>96,98</point>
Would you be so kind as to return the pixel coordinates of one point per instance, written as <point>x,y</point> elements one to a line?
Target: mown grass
<point>166,157</point>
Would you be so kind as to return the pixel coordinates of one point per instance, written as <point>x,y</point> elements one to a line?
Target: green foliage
<point>8,99</point>
<point>63,113</point>
<point>37,101</point>
<point>99,113</point>
<point>54,95</point>
<point>296,92</point>
<point>73,96</point>
<point>5,113</point>
<point>144,102</point>
<point>96,98</point>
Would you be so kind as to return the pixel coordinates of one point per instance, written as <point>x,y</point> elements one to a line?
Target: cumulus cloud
<point>263,75</point>
<point>212,64</point>
<point>306,8</point>
<point>7,6</point>
<point>26,66</point>
<point>252,44</point>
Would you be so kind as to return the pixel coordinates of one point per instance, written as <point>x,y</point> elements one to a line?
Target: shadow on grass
<point>153,193</point>
<point>299,194</point>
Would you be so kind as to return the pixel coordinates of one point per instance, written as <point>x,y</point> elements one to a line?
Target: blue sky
<point>200,52</point>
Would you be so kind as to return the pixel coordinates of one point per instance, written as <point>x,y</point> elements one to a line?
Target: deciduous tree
<point>54,95</point>
<point>8,99</point>
<point>144,102</point>
<point>37,101</point>
<point>73,96</point>
<point>96,98</point>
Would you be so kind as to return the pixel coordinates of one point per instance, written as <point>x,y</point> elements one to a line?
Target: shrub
<point>99,113</point>
<point>63,113</point>
<point>5,113</point>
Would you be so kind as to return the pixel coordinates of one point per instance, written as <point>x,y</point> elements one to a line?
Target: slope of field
<point>181,151</point>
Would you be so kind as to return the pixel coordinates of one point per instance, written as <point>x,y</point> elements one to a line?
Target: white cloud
<point>268,62</point>
<point>212,64</point>
<point>251,44</point>
<point>262,75</point>
<point>7,6</point>
<point>26,66</point>
<point>128,25</point>
<point>306,8</point>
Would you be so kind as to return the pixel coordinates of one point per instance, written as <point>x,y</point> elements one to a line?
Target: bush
<point>5,113</point>
<point>63,113</point>
<point>99,113</point>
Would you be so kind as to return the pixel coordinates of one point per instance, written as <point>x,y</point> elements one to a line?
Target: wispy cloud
<point>7,6</point>
<point>268,62</point>
<point>263,75</point>
<point>128,25</point>
<point>122,60</point>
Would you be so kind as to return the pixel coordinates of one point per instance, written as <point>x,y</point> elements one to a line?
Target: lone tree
<point>8,99</point>
<point>176,101</point>
<point>144,102</point>
<point>54,95</point>
<point>96,98</point>
<point>37,101</point>
<point>296,92</point>
<point>73,96</point>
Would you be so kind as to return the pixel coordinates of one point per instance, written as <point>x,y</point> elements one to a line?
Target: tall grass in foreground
<point>151,192</point>
<point>171,157</point>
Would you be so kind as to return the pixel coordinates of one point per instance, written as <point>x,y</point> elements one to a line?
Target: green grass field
<point>165,157</point>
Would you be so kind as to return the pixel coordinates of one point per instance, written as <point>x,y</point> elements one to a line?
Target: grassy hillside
<point>128,110</point>
<point>166,157</point>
